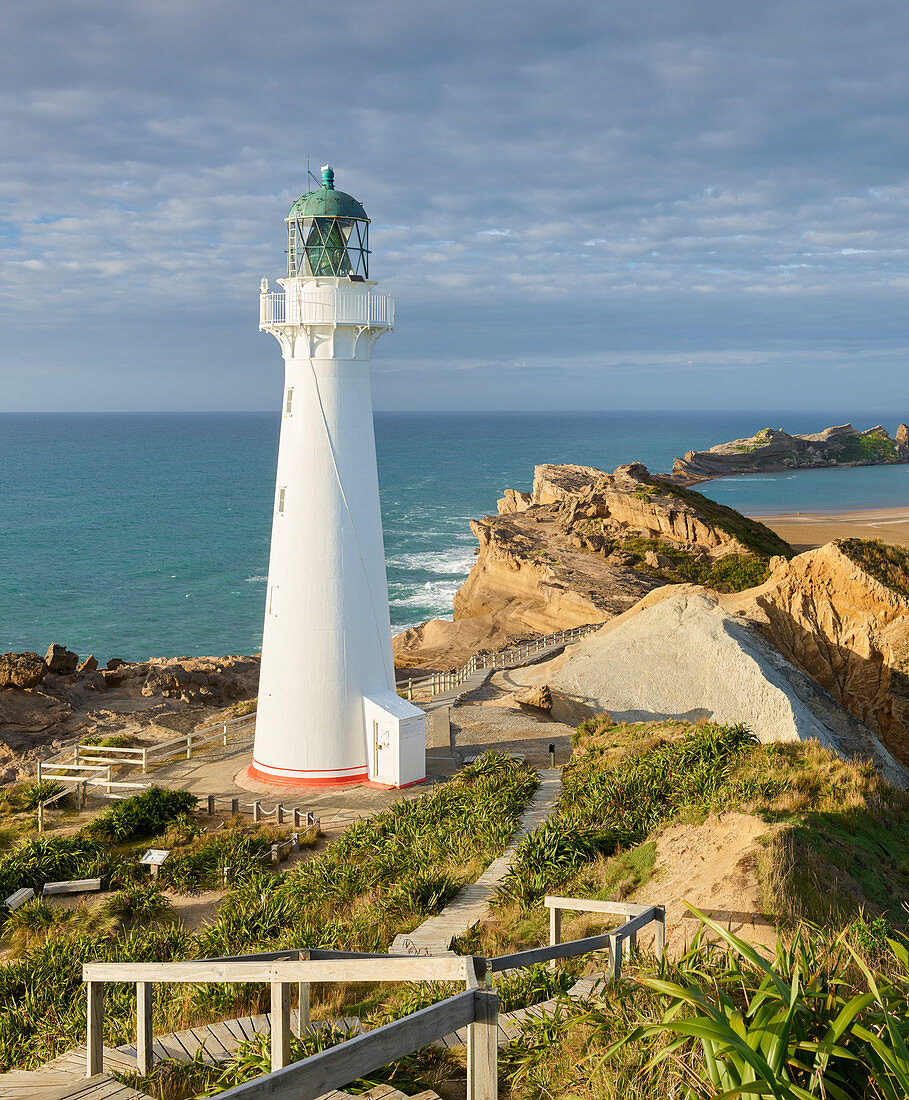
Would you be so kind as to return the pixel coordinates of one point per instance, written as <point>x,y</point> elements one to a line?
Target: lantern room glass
<point>327,246</point>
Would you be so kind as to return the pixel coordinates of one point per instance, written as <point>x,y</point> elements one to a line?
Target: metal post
<point>483,1048</point>
<point>94,1029</point>
<point>280,1025</point>
<point>555,931</point>
<point>144,1032</point>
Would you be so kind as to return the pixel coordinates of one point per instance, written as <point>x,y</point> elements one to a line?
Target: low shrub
<point>141,816</point>
<point>33,793</point>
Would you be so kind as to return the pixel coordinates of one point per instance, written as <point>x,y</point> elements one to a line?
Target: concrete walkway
<point>471,904</point>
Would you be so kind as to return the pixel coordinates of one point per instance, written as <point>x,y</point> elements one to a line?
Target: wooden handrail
<point>280,970</point>
<point>320,1073</point>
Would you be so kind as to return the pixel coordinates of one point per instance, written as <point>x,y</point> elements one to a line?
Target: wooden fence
<point>312,1077</point>
<point>91,757</point>
<point>476,1008</point>
<point>437,682</point>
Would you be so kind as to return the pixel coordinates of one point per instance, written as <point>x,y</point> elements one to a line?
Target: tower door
<point>383,766</point>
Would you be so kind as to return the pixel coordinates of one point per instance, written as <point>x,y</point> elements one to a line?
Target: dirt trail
<point>714,867</point>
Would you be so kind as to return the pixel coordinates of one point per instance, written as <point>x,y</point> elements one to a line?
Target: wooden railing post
<point>257,810</point>
<point>280,1025</point>
<point>483,1048</point>
<point>555,931</point>
<point>302,999</point>
<point>225,733</point>
<point>39,771</point>
<point>296,817</point>
<point>614,969</point>
<point>234,806</point>
<point>145,761</point>
<point>189,746</point>
<point>144,1032</point>
<point>280,813</point>
<point>659,933</point>
<point>94,1028</point>
<point>211,805</point>
<point>40,817</point>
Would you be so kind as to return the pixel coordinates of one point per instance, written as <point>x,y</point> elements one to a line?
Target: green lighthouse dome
<point>327,233</point>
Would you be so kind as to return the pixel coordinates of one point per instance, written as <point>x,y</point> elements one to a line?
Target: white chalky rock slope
<point>678,654</point>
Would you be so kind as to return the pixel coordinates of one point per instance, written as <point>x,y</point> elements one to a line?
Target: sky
<point>662,204</point>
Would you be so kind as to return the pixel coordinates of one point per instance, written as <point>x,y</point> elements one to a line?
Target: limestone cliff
<point>773,449</point>
<point>841,613</point>
<point>581,547</point>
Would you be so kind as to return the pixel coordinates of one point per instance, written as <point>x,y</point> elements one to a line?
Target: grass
<point>820,1016</point>
<point>754,536</point>
<point>383,876</point>
<point>887,564</point>
<point>867,448</point>
<point>731,573</point>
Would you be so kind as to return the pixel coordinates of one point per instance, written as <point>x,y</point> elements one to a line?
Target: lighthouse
<point>328,713</point>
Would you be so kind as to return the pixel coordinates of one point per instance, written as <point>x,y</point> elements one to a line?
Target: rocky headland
<point>581,547</point>
<point>772,449</point>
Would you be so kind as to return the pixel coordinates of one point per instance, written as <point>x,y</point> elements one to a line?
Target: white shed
<point>396,740</point>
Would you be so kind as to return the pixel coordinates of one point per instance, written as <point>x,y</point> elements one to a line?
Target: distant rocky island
<point>772,449</point>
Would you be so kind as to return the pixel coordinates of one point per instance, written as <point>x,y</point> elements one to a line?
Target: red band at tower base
<point>326,779</point>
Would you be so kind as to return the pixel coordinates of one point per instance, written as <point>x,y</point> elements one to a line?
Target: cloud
<point>568,177</point>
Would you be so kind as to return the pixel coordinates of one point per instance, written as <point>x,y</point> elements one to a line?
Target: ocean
<point>138,535</point>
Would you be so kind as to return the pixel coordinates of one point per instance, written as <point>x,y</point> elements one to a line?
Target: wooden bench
<point>75,886</point>
<point>20,897</point>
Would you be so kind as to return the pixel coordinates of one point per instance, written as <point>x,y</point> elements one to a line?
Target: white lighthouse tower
<point>328,713</point>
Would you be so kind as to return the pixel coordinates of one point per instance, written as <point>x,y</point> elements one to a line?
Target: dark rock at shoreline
<point>21,670</point>
<point>61,660</point>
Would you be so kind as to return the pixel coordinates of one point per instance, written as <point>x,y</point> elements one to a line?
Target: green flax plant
<point>812,1022</point>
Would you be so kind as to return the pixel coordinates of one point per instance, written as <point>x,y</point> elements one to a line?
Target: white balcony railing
<point>326,306</point>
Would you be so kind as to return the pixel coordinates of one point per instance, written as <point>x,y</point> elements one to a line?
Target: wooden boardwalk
<point>62,1078</point>
<point>471,904</point>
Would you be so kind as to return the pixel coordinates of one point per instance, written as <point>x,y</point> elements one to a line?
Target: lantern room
<point>327,234</point>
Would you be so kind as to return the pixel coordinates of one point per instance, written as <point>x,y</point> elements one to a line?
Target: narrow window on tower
<point>281,493</point>
<point>289,401</point>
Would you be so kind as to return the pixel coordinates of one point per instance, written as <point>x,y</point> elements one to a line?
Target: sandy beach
<point>807,530</point>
